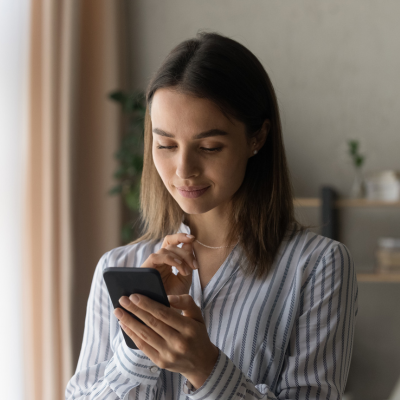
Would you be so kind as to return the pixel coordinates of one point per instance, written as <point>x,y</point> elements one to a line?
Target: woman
<point>261,307</point>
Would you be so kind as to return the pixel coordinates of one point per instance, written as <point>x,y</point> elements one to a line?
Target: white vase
<point>358,187</point>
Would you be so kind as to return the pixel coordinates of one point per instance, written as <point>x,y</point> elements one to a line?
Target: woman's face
<point>177,120</point>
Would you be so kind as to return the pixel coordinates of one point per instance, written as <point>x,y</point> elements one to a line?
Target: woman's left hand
<point>178,343</point>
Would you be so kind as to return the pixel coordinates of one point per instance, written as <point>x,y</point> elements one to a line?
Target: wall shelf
<point>374,277</point>
<point>307,202</point>
<point>344,203</point>
<point>340,203</point>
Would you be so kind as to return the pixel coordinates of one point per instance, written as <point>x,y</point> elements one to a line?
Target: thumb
<point>186,303</point>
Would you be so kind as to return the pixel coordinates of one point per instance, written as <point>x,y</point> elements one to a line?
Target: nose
<point>187,165</point>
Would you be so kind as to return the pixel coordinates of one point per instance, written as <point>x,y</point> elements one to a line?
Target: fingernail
<point>178,261</point>
<point>118,313</point>
<point>173,298</point>
<point>190,236</point>
<point>134,298</point>
<point>195,265</point>
<point>124,301</point>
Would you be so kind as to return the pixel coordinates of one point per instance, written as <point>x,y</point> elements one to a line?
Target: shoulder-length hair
<point>222,70</point>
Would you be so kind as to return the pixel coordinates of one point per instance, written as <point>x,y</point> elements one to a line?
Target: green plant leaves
<point>130,154</point>
<point>130,101</point>
<point>358,159</point>
<point>115,190</point>
<point>132,199</point>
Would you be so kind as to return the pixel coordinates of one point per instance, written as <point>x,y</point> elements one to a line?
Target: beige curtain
<point>70,220</point>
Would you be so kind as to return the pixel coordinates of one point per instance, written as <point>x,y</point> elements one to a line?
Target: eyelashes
<point>213,150</point>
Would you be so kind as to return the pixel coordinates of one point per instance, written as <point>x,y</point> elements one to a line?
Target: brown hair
<point>222,70</point>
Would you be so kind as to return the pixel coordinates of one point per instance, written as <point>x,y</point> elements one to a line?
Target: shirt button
<point>154,369</point>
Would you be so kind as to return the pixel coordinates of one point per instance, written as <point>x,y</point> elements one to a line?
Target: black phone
<point>126,281</point>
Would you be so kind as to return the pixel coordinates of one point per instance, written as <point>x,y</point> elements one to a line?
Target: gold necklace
<point>221,247</point>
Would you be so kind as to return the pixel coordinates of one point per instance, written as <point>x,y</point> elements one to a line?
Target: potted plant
<point>130,157</point>
<point>358,187</point>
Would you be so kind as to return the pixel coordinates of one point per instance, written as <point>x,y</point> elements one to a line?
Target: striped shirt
<point>288,336</point>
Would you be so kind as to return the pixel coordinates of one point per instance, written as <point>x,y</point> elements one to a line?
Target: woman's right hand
<point>166,257</point>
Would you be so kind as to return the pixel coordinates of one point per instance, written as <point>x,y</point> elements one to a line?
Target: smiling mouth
<point>193,193</point>
<point>191,188</point>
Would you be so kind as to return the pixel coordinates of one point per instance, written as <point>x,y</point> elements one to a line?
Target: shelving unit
<point>316,202</point>
<point>307,202</point>
<point>362,277</point>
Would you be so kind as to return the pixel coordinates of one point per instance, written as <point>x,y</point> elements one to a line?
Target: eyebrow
<point>202,135</point>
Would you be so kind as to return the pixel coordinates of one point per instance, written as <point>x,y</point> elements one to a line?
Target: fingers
<point>186,303</point>
<point>167,257</point>
<point>163,320</point>
<point>143,332</point>
<point>176,239</point>
<point>172,241</point>
<point>185,253</point>
<point>141,344</point>
<point>169,254</point>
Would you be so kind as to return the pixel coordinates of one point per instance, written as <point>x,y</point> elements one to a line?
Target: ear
<point>261,136</point>
<point>257,141</point>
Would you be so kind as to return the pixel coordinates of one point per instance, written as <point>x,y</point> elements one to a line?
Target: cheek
<point>236,173</point>
<point>230,175</point>
<point>166,171</point>
<point>237,170</point>
<point>161,165</point>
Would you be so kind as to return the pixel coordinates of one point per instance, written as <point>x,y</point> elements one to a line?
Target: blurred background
<point>72,76</point>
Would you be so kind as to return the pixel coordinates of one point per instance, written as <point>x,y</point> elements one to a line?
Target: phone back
<point>126,281</point>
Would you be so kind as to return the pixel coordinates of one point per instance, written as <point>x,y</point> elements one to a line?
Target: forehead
<point>181,113</point>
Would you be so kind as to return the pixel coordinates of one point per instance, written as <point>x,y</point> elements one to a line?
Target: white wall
<point>335,66</point>
<point>13,52</point>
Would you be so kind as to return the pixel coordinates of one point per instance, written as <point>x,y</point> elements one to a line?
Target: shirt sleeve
<point>107,368</point>
<point>318,356</point>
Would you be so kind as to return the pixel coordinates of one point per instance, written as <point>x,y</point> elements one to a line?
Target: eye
<point>215,149</point>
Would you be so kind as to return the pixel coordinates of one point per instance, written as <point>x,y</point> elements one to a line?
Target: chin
<point>193,208</point>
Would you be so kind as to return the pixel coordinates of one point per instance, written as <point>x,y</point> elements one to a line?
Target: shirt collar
<point>183,228</point>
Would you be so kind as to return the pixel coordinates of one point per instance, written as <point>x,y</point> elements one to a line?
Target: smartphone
<point>126,281</point>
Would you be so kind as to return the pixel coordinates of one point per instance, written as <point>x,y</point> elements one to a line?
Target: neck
<point>209,229</point>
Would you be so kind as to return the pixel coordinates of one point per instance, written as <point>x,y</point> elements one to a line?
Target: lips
<point>193,193</point>
<point>191,188</point>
